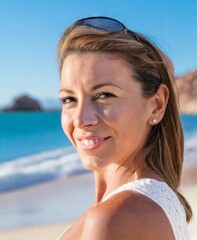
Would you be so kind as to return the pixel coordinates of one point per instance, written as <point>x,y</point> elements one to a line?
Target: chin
<point>93,163</point>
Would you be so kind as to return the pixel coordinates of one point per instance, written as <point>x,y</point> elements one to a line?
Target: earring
<point>154,120</point>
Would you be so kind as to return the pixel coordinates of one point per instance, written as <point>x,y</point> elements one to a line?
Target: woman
<point>120,112</point>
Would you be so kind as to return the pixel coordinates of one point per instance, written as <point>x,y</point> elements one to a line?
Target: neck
<point>113,177</point>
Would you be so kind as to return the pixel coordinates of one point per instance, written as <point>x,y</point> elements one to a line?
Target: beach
<point>190,192</point>
<point>64,199</point>
<point>44,190</point>
<point>45,210</point>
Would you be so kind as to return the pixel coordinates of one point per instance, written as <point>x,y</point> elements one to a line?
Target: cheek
<point>119,116</point>
<point>111,115</point>
<point>66,124</point>
<point>129,122</point>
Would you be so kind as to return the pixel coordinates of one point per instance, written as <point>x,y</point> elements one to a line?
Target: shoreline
<point>46,203</point>
<point>45,210</point>
<point>44,231</point>
<point>54,230</point>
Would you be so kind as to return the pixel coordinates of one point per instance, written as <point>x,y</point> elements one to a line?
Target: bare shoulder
<point>127,215</point>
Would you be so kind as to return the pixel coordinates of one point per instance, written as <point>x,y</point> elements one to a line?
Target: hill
<point>24,103</point>
<point>187,90</point>
<point>186,87</point>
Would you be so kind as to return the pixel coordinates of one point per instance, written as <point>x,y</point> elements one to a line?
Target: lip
<point>96,142</point>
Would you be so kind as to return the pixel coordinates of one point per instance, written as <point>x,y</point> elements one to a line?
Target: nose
<point>86,115</point>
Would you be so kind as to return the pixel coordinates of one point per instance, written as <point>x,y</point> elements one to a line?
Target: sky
<point>30,31</point>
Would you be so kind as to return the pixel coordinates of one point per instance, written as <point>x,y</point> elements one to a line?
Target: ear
<point>158,104</point>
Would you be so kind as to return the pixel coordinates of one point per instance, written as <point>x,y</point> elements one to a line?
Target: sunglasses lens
<point>104,24</point>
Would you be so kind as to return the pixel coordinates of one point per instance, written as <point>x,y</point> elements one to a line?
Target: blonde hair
<point>163,150</point>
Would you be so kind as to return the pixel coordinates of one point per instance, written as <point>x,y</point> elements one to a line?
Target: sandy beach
<point>46,210</point>
<point>53,231</point>
<point>48,232</point>
<point>190,192</point>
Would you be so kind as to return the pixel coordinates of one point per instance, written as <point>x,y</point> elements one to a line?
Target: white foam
<point>55,164</point>
<point>39,167</point>
<point>191,141</point>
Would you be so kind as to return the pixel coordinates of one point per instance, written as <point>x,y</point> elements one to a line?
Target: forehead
<point>97,65</point>
<point>84,72</point>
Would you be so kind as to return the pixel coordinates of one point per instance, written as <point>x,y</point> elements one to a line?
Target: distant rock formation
<point>186,86</point>
<point>187,90</point>
<point>24,103</point>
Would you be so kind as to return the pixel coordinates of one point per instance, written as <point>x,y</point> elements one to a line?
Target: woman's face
<point>104,113</point>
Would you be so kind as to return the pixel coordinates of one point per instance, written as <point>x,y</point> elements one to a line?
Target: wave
<point>49,165</point>
<point>37,168</point>
<point>191,141</point>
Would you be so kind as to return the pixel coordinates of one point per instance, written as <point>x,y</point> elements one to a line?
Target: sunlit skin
<point>107,119</point>
<point>102,101</point>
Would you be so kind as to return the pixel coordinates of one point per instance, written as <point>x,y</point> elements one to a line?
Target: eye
<point>105,95</point>
<point>68,99</point>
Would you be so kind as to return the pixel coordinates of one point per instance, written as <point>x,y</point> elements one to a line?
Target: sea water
<point>33,148</point>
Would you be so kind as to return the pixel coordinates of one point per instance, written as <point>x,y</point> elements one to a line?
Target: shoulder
<point>127,215</point>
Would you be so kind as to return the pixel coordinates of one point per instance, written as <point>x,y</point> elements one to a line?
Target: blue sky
<point>30,30</point>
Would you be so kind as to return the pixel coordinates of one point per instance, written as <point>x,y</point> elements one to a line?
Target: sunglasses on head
<point>106,24</point>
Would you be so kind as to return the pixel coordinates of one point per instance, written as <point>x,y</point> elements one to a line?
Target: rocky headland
<point>186,86</point>
<point>24,103</point>
<point>187,91</point>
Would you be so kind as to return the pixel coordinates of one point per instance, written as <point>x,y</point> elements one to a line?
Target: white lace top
<point>165,197</point>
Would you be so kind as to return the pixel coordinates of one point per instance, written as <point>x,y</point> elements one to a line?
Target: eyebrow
<point>93,88</point>
<point>66,90</point>
<point>103,85</point>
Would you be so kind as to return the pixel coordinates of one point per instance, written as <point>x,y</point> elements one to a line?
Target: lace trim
<point>165,197</point>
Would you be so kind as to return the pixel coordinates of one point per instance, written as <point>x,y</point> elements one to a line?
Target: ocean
<point>34,149</point>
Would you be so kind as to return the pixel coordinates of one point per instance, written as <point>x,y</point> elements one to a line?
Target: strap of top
<point>165,197</point>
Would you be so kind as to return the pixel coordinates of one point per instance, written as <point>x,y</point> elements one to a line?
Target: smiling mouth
<point>93,142</point>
